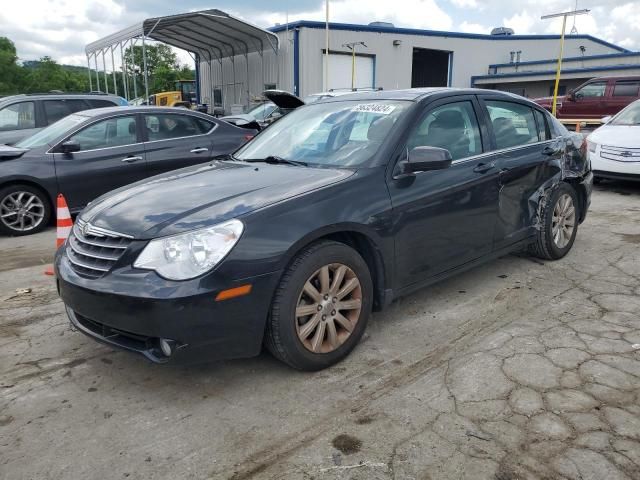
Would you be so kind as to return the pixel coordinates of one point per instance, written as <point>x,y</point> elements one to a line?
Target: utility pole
<point>326,51</point>
<point>352,46</point>
<point>564,16</point>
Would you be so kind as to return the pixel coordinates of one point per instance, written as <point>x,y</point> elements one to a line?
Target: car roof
<point>416,94</point>
<point>136,109</point>
<point>57,96</point>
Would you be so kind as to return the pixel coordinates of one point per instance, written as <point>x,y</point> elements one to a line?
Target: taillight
<point>248,137</point>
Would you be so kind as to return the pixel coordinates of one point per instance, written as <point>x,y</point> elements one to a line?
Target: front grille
<point>93,251</point>
<point>618,154</point>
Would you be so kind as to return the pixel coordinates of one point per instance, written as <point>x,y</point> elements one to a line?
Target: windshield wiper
<point>273,159</point>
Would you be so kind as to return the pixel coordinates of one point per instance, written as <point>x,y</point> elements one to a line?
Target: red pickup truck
<point>596,98</point>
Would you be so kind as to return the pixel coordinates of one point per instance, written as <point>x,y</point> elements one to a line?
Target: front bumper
<point>132,310</point>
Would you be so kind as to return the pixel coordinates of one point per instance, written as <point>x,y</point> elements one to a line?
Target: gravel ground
<point>519,369</point>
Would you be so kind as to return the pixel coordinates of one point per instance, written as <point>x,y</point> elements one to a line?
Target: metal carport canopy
<point>212,33</point>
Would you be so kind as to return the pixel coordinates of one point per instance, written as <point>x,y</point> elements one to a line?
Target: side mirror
<point>70,146</point>
<point>606,119</point>
<point>422,159</point>
<point>571,95</point>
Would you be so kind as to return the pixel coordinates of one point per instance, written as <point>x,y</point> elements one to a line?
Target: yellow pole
<point>559,68</point>
<point>353,67</point>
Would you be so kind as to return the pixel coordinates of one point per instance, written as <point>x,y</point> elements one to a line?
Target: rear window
<point>513,123</point>
<point>626,88</point>
<point>96,103</point>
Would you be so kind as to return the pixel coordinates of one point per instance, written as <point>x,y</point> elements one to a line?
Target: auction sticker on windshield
<point>374,108</point>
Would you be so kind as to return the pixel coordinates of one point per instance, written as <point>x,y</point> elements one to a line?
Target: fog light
<point>166,346</point>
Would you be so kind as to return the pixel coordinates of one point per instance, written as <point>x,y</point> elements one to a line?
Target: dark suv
<point>337,208</point>
<point>23,115</point>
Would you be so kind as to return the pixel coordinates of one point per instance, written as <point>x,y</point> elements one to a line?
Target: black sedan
<point>335,210</point>
<point>92,152</point>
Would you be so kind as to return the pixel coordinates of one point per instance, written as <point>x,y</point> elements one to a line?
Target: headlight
<point>185,256</point>
<point>592,146</point>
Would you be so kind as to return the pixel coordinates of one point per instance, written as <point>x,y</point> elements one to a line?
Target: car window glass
<point>628,116</point>
<point>513,123</point>
<point>452,126</point>
<point>626,89</point>
<point>111,132</point>
<point>57,109</point>
<point>17,116</point>
<point>262,111</point>
<point>163,126</point>
<point>542,126</point>
<point>96,103</point>
<point>593,90</point>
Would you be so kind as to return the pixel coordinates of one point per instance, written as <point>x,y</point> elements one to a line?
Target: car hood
<point>623,136</point>
<point>8,153</point>
<point>203,195</point>
<point>283,99</point>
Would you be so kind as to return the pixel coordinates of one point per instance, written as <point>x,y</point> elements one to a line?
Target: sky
<point>61,28</point>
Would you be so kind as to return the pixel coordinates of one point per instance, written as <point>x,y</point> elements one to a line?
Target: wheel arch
<point>362,242</point>
<point>581,192</point>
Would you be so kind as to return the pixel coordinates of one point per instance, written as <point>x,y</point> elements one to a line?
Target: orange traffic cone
<point>64,224</point>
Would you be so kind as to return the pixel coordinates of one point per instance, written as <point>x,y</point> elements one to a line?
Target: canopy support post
<point>246,59</point>
<point>146,76</point>
<point>95,59</point>
<point>113,72</point>
<point>104,71</point>
<point>89,71</point>
<point>125,79</point>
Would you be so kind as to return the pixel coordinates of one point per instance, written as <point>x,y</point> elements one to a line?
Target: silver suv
<point>23,115</point>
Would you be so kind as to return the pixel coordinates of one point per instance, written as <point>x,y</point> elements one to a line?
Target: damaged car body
<point>332,212</point>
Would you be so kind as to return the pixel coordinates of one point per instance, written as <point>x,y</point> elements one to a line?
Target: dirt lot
<point>519,369</point>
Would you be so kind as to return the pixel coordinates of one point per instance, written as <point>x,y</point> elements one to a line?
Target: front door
<point>587,102</point>
<point>445,218</point>
<point>110,156</point>
<point>176,140</point>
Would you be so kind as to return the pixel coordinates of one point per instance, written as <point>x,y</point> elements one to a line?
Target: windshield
<point>628,116</point>
<point>338,134</point>
<point>262,111</point>
<point>47,135</point>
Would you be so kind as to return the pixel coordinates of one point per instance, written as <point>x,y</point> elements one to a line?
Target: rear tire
<point>558,224</point>
<point>24,210</point>
<point>321,307</point>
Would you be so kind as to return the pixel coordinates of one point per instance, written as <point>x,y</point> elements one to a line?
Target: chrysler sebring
<point>332,212</point>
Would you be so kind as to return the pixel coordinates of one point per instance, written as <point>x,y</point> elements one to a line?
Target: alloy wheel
<point>328,308</point>
<point>564,221</point>
<point>22,211</point>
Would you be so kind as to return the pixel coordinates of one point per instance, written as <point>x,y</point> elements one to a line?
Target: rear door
<point>623,92</point>
<point>56,109</point>
<point>176,140</point>
<point>524,153</point>
<point>445,218</point>
<point>111,155</point>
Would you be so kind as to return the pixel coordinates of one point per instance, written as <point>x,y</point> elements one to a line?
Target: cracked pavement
<point>519,369</point>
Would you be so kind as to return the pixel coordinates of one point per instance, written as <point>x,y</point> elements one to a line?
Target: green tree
<point>162,63</point>
<point>11,74</point>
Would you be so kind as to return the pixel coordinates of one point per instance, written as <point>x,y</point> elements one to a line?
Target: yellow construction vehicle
<point>183,95</point>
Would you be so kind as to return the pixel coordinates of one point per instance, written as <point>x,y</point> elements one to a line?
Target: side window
<point>627,88</point>
<point>513,123</point>
<point>453,126</point>
<point>18,116</point>
<point>593,90</point>
<point>112,132</point>
<point>163,126</point>
<point>57,109</point>
<point>543,130</point>
<point>97,103</point>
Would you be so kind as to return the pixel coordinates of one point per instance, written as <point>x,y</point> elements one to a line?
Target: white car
<point>614,148</point>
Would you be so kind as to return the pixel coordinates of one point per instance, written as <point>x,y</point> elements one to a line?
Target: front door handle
<point>484,167</point>
<point>131,159</point>
<point>199,150</point>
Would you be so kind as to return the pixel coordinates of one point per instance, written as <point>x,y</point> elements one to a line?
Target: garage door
<point>340,71</point>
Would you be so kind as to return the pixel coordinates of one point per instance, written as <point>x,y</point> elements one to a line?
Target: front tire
<point>321,307</point>
<point>24,210</point>
<point>558,224</point>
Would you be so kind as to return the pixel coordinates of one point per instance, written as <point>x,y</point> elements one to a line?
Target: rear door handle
<point>549,150</point>
<point>131,159</point>
<point>484,167</point>
<point>199,150</point>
